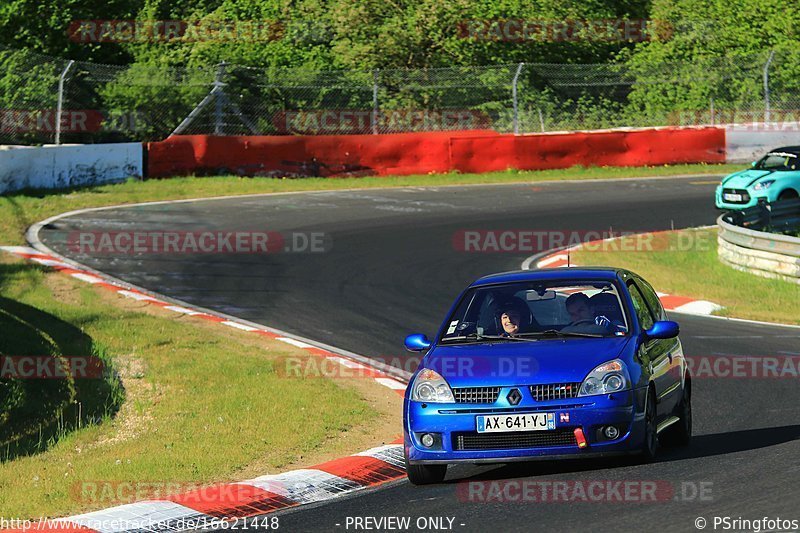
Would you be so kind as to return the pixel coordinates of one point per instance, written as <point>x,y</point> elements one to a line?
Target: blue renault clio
<point>547,364</point>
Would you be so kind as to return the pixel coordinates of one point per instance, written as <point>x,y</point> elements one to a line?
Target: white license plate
<point>732,197</point>
<point>527,422</point>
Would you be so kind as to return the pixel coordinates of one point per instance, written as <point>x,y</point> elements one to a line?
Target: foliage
<point>700,57</point>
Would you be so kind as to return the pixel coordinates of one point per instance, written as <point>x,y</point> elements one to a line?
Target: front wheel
<point>425,474</point>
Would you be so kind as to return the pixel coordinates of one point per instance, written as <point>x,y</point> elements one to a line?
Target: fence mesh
<point>107,103</point>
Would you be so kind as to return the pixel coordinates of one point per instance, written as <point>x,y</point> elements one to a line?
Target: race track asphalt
<point>393,267</point>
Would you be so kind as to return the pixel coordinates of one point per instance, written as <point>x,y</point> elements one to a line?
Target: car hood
<point>519,363</point>
<point>745,178</point>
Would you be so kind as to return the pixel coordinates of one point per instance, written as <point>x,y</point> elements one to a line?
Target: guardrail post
<point>514,99</point>
<point>375,101</point>
<point>712,110</point>
<point>219,101</point>
<point>60,101</point>
<point>764,216</point>
<point>217,94</point>
<point>766,86</point>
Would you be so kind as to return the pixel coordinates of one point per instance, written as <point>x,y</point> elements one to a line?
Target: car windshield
<point>779,161</point>
<point>537,310</point>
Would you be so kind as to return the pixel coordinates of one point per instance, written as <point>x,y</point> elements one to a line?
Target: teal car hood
<point>745,178</point>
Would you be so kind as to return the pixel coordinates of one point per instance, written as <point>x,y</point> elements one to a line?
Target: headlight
<point>430,387</point>
<point>762,185</point>
<point>609,377</point>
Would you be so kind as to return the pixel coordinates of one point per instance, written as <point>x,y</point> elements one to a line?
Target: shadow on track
<point>702,446</point>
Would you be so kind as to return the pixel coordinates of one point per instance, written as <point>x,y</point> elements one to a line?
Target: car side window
<point>640,306</point>
<point>652,299</point>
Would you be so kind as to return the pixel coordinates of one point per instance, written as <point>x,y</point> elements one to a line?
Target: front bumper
<point>753,198</point>
<point>447,421</point>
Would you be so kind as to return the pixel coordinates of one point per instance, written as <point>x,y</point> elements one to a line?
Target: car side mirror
<point>417,342</point>
<point>754,163</point>
<point>663,329</point>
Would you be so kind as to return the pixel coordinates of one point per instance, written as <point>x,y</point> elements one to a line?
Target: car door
<point>677,363</point>
<point>652,353</point>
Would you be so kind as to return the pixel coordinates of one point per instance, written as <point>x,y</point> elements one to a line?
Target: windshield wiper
<point>558,333</point>
<point>476,337</point>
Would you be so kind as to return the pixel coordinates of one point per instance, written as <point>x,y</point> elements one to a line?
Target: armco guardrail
<point>745,246</point>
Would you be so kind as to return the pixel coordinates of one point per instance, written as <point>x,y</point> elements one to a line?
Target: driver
<point>579,309</point>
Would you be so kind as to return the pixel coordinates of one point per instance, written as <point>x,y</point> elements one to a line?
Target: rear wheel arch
<point>680,433</point>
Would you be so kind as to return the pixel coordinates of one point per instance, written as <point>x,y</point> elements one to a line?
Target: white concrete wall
<point>747,142</point>
<point>50,167</point>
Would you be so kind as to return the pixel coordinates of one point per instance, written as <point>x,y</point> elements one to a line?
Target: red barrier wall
<point>600,148</point>
<point>321,155</point>
<point>421,153</point>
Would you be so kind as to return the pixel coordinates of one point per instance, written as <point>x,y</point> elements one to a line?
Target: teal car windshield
<point>537,310</point>
<point>779,161</point>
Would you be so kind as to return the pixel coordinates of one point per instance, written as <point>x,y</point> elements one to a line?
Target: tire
<point>787,194</point>
<point>650,443</point>
<point>425,474</point>
<point>680,433</point>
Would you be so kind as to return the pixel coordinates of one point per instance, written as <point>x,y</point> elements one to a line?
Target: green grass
<point>200,403</point>
<point>690,267</point>
<point>20,210</point>
<point>36,413</point>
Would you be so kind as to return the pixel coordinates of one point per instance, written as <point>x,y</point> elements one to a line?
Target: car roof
<point>788,149</point>
<point>549,274</point>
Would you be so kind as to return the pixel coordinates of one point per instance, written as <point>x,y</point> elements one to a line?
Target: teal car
<point>776,176</point>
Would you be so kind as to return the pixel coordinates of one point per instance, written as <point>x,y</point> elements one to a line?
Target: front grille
<point>514,440</point>
<point>476,394</point>
<point>744,193</point>
<point>555,391</point>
